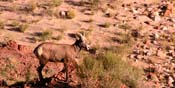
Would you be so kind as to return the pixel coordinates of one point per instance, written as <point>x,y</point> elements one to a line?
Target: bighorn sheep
<point>52,52</point>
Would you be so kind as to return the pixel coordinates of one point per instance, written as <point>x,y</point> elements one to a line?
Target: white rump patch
<point>40,51</point>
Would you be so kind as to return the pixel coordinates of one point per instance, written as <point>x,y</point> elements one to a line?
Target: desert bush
<point>15,23</point>
<point>58,37</point>
<point>20,27</point>
<point>55,3</point>
<point>125,26</point>
<point>108,70</point>
<point>90,20</point>
<point>32,5</point>
<point>94,3</point>
<point>70,14</point>
<point>106,25</point>
<point>7,0</point>
<point>23,27</point>
<point>45,35</point>
<point>2,25</point>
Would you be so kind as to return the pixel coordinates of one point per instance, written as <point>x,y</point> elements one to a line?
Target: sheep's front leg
<point>66,70</point>
<point>39,69</point>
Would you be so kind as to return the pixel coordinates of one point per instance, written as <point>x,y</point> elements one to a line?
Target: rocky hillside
<point>138,32</point>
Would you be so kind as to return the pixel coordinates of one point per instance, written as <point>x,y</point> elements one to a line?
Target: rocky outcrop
<point>19,61</point>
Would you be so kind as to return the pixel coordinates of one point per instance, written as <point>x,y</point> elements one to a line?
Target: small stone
<point>63,14</point>
<point>132,56</point>
<point>170,81</point>
<point>160,53</point>
<point>136,51</point>
<point>157,18</point>
<point>139,56</point>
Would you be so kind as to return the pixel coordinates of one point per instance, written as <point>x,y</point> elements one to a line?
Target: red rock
<point>12,44</point>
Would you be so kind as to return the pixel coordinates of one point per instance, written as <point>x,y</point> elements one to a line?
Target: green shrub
<point>106,25</point>
<point>15,23</point>
<point>23,27</point>
<point>94,3</point>
<point>20,27</point>
<point>58,37</point>
<point>7,0</point>
<point>108,70</point>
<point>32,5</point>
<point>45,35</point>
<point>2,25</point>
<point>70,14</point>
<point>55,3</point>
<point>125,26</point>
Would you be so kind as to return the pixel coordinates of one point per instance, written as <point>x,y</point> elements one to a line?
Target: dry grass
<point>125,26</point>
<point>45,35</point>
<point>2,25</point>
<point>23,27</point>
<point>108,70</point>
<point>71,14</point>
<point>55,3</point>
<point>106,25</point>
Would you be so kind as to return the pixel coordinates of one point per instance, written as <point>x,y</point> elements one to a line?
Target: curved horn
<point>80,36</point>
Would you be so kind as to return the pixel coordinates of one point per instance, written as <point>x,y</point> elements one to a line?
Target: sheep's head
<point>82,41</point>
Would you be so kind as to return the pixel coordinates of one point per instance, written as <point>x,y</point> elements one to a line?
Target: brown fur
<point>52,52</point>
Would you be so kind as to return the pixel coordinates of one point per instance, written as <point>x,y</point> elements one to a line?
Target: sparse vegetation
<point>58,37</point>
<point>108,70</point>
<point>31,6</point>
<point>94,3</point>
<point>50,12</point>
<point>2,25</point>
<point>90,29</point>
<point>9,67</point>
<point>23,27</point>
<point>70,14</point>
<point>124,38</point>
<point>90,20</point>
<point>106,25</point>
<point>121,34</point>
<point>45,35</point>
<point>7,0</point>
<point>15,23</point>
<point>125,26</point>
<point>55,3</point>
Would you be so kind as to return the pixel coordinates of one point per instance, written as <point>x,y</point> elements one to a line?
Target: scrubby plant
<point>2,25</point>
<point>23,27</point>
<point>55,3</point>
<point>90,20</point>
<point>106,25</point>
<point>20,27</point>
<point>70,14</point>
<point>125,26</point>
<point>15,23</point>
<point>90,29</point>
<point>58,37</point>
<point>45,35</point>
<point>94,3</point>
<point>32,5</point>
<point>7,0</point>
<point>108,70</point>
<point>50,12</point>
